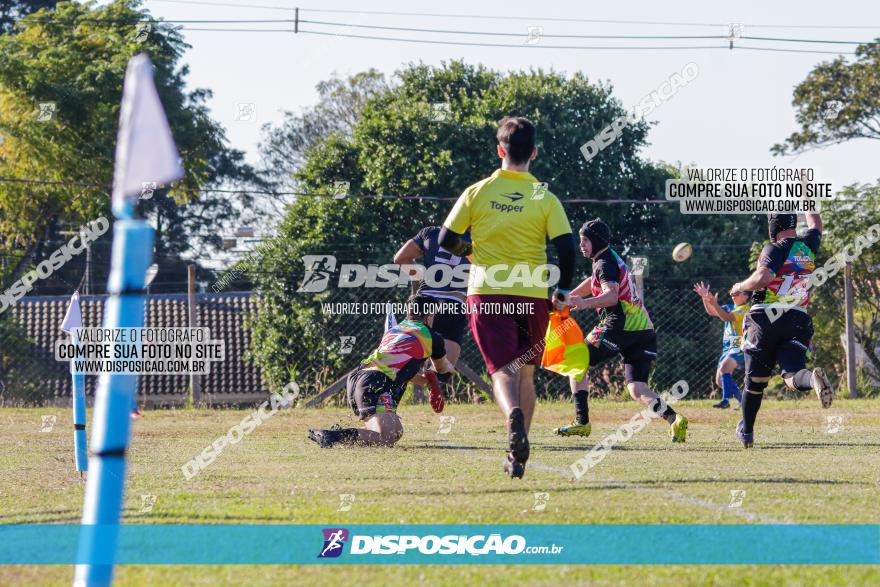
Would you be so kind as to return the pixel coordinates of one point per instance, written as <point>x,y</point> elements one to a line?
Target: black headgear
<point>779,222</point>
<point>419,306</point>
<point>598,233</point>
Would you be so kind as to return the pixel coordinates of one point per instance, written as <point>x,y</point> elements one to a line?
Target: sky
<point>730,115</point>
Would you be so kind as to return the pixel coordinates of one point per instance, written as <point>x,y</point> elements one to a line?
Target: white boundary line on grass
<point>667,493</point>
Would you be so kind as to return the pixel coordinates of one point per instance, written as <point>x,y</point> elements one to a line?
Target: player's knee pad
<point>756,385</point>
<point>800,380</point>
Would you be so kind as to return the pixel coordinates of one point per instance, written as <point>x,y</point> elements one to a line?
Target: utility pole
<point>850,331</point>
<point>195,380</point>
<point>87,281</point>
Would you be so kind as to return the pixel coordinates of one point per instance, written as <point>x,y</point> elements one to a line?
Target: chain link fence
<point>689,341</point>
<point>30,375</point>
<point>689,345</point>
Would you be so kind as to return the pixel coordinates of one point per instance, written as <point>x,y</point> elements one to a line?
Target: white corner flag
<point>73,316</point>
<point>146,156</point>
<point>390,318</point>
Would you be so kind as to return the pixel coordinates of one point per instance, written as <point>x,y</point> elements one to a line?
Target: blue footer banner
<point>420,544</point>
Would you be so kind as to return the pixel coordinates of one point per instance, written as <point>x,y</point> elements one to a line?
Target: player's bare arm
<point>607,298</point>
<point>702,290</point>
<point>814,220</point>
<point>408,253</point>
<point>757,280</point>
<point>443,365</point>
<point>582,288</point>
<point>716,308</point>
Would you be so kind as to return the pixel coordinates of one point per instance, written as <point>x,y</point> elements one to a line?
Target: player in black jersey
<point>777,328</point>
<point>444,281</point>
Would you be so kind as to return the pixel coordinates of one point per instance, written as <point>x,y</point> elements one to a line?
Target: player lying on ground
<point>624,329</point>
<point>451,321</point>
<point>777,327</point>
<point>731,352</point>
<point>376,386</point>
<point>511,217</point>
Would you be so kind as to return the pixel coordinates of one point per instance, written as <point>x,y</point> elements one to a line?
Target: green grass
<point>796,473</point>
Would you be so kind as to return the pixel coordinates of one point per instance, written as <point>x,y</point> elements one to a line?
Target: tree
<point>284,147</point>
<point>846,222</point>
<point>340,102</point>
<point>60,86</point>
<point>838,102</point>
<point>432,133</point>
<point>13,10</point>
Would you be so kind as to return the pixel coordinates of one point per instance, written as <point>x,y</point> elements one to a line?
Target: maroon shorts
<point>508,328</point>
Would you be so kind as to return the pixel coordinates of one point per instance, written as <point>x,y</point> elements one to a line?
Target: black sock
<point>667,413</point>
<point>581,407</point>
<point>803,380</point>
<point>345,435</point>
<point>751,404</point>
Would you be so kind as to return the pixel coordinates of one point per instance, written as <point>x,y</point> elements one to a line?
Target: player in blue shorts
<point>732,356</point>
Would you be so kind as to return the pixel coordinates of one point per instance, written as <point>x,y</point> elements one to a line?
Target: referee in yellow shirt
<point>511,217</point>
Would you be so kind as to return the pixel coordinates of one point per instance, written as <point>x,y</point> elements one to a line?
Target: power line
<point>581,47</point>
<point>534,18</point>
<point>516,18</point>
<point>433,31</point>
<point>497,34</point>
<point>781,50</point>
<point>557,36</point>
<point>806,40</point>
<point>396,197</point>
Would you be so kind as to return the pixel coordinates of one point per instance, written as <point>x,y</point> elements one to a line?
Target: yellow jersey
<point>510,215</point>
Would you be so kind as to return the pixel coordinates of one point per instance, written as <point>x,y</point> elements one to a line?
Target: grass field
<point>798,472</point>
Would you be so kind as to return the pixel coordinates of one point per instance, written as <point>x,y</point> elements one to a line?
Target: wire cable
<point>514,18</point>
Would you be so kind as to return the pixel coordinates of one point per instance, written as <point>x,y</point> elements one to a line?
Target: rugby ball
<point>682,252</point>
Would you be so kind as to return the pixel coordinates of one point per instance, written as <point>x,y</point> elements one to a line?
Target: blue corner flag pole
<point>79,417</point>
<point>72,321</point>
<point>145,154</point>
<point>132,255</point>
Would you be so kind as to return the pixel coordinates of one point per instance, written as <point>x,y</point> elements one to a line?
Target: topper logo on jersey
<point>506,208</point>
<point>320,269</point>
<point>334,541</point>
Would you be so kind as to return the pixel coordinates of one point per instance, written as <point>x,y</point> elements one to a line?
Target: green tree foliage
<point>74,59</point>
<point>402,145</point>
<point>847,220</point>
<point>12,10</point>
<point>340,102</point>
<point>838,101</point>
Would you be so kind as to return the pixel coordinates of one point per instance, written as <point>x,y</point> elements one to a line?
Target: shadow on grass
<point>456,447</point>
<point>725,448</point>
<point>727,480</point>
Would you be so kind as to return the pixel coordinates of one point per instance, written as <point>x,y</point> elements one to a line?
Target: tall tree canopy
<point>403,144</point>
<point>12,10</point>
<point>61,76</point>
<point>839,101</point>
